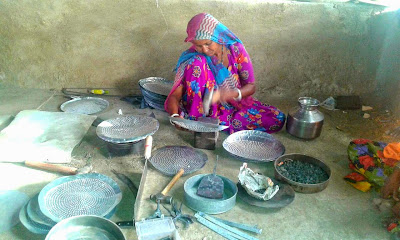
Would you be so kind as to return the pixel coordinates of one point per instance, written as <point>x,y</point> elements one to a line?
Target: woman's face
<point>207,47</point>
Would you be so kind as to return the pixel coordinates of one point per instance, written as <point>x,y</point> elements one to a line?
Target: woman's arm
<point>245,75</point>
<point>174,99</point>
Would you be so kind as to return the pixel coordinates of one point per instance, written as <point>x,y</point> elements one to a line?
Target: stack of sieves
<point>125,134</point>
<point>155,91</point>
<point>84,194</point>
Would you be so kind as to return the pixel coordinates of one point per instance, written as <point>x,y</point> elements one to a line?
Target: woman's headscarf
<point>204,26</point>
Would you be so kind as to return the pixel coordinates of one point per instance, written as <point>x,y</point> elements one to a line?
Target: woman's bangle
<point>239,97</point>
<point>174,115</point>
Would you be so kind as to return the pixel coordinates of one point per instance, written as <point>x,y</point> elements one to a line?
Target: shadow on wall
<point>388,69</point>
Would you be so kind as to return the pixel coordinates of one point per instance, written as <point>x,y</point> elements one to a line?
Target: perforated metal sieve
<point>85,105</point>
<point>170,159</point>
<point>197,126</point>
<point>127,128</point>
<point>156,85</point>
<point>84,194</point>
<point>251,145</point>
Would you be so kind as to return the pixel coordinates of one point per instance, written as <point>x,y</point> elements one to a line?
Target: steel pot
<point>306,120</point>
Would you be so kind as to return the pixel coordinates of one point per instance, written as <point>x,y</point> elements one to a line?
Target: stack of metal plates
<point>155,91</point>
<point>84,194</point>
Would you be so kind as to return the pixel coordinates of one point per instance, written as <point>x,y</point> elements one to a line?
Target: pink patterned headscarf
<point>204,26</point>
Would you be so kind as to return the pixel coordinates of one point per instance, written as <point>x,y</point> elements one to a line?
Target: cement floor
<point>338,212</point>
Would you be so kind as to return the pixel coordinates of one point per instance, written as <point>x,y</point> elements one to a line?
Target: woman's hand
<point>228,95</point>
<point>224,96</point>
<point>392,184</point>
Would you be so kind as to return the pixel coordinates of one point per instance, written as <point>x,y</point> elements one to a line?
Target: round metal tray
<point>85,105</point>
<point>84,194</point>
<point>34,213</point>
<point>253,146</point>
<point>282,198</point>
<point>85,227</point>
<point>127,128</point>
<point>301,187</point>
<point>156,85</point>
<point>31,225</point>
<point>208,205</point>
<point>170,159</point>
<point>197,126</point>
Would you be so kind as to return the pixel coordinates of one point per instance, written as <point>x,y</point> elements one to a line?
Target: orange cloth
<point>392,150</point>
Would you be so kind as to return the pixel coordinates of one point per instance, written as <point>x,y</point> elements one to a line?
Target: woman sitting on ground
<point>217,61</point>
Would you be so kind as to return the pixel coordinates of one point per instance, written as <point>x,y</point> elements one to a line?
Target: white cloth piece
<point>43,136</point>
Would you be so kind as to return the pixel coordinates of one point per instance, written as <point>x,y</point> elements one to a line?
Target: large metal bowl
<point>302,187</point>
<point>85,227</point>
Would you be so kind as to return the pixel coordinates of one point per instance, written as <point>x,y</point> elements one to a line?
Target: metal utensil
<point>170,159</point>
<point>211,186</point>
<point>85,105</point>
<point>85,227</point>
<point>84,194</point>
<point>208,205</point>
<point>253,146</point>
<point>127,128</point>
<point>197,126</point>
<point>207,101</point>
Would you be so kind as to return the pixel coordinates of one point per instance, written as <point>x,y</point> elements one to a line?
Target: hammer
<point>161,197</point>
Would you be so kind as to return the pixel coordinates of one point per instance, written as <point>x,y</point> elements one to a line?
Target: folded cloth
<point>392,150</point>
<point>43,136</point>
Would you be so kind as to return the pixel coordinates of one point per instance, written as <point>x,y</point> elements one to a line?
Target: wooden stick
<point>52,167</point>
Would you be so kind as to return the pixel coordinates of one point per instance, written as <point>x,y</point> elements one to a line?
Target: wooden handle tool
<point>172,182</point>
<point>147,147</point>
<point>52,167</point>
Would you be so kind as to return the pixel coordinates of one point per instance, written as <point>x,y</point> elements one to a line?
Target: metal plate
<point>170,159</point>
<point>127,128</point>
<point>84,194</point>
<point>34,213</point>
<point>85,227</point>
<point>30,224</point>
<point>197,126</point>
<point>156,85</point>
<point>85,105</point>
<point>208,205</point>
<point>253,146</point>
<point>282,198</point>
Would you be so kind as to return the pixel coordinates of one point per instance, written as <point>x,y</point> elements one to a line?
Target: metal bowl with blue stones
<point>304,173</point>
